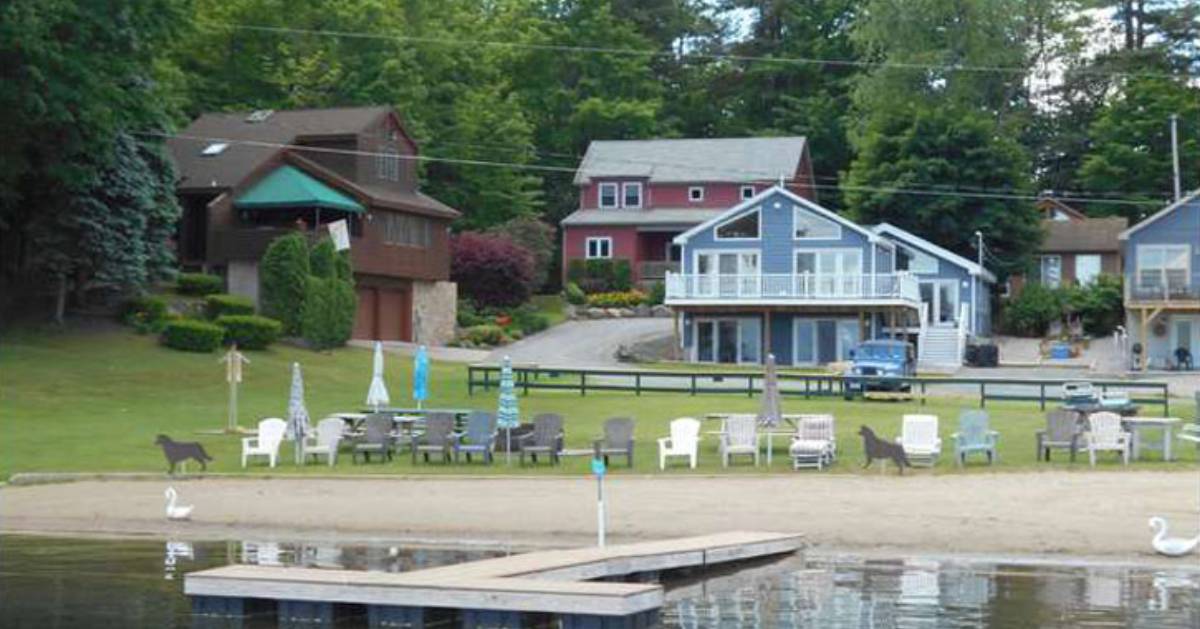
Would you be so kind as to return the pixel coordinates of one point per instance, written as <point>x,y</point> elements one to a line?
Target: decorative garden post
<point>233,360</point>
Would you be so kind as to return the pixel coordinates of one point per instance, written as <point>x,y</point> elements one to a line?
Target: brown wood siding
<point>343,161</point>
<point>375,139</point>
<point>371,254</point>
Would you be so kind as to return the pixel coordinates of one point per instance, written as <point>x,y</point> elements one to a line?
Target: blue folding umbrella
<point>421,376</point>
<point>508,415</point>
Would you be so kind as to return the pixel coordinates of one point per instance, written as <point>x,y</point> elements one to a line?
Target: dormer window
<point>216,148</point>
<point>696,194</point>
<point>747,192</point>
<point>631,196</point>
<point>607,193</point>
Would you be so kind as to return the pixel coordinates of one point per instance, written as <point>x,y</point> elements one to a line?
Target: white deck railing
<point>792,287</point>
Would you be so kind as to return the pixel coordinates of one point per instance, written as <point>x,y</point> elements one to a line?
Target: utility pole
<point>1175,154</point>
<point>975,281</point>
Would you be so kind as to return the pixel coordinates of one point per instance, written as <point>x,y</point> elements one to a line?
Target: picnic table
<point>1135,425</point>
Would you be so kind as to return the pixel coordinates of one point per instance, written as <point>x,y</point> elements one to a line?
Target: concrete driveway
<point>588,343</point>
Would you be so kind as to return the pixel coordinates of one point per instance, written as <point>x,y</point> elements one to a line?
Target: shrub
<point>617,299</point>
<point>1099,305</point>
<point>322,259</point>
<point>486,334</point>
<point>250,331</point>
<point>491,270</point>
<point>536,237</point>
<point>284,273</point>
<point>191,335</point>
<point>223,304</point>
<point>468,315</point>
<point>601,276</point>
<point>657,294</point>
<point>145,314</point>
<point>574,295</point>
<point>327,319</point>
<point>1031,313</point>
<point>198,284</point>
<point>529,320</point>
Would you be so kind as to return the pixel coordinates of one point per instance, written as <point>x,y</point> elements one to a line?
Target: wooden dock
<point>575,584</point>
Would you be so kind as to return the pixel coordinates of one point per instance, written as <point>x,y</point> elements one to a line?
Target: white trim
<point>934,250</point>
<point>719,238</point>
<point>1137,259</point>
<point>1041,260</point>
<point>625,194</point>
<point>791,196</point>
<point>1191,196</point>
<point>695,269</point>
<point>616,195</point>
<point>848,301</point>
<point>935,306</point>
<point>839,348</point>
<point>817,251</point>
<point>742,196</point>
<point>607,241</point>
<point>738,320</point>
<point>796,211</point>
<point>696,199</point>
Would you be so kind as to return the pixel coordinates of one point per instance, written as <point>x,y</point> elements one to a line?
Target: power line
<point>633,52</point>
<point>758,175</point>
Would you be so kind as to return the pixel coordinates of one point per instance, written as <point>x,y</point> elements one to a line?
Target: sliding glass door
<point>829,272</point>
<point>729,340</point>
<point>727,274</point>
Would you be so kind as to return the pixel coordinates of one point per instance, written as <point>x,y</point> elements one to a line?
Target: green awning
<point>288,186</point>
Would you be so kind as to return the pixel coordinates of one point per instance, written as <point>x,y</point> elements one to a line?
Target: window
<point>632,195</point>
<point>809,226</point>
<point>1163,266</point>
<point>744,227</point>
<point>1050,271</point>
<point>599,247</point>
<point>607,193</point>
<point>696,194</point>
<point>915,261</point>
<point>747,192</point>
<point>387,165</point>
<point>1087,268</point>
<point>216,148</point>
<point>406,229</point>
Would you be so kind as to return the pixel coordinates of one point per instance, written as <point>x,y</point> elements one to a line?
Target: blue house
<point>1162,284</point>
<point>778,273</point>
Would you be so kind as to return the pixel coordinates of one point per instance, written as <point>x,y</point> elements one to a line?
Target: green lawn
<point>551,306</point>
<point>76,401</point>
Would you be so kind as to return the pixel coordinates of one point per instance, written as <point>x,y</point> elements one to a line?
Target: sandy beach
<point>1072,514</point>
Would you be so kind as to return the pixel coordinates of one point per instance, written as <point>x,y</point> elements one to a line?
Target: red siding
<point>624,243</point>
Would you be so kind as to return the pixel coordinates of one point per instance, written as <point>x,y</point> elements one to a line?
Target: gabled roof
<point>1191,196</point>
<point>791,196</point>
<point>1050,203</point>
<point>945,254</point>
<point>726,160</point>
<point>1089,234</point>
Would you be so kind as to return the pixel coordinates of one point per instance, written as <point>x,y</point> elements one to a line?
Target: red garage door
<point>384,314</point>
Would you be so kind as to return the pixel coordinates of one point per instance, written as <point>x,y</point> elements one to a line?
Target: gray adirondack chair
<point>546,438</point>
<point>974,435</point>
<point>377,440</point>
<point>438,437</point>
<point>618,439</point>
<point>740,437</point>
<point>1061,432</point>
<point>480,437</point>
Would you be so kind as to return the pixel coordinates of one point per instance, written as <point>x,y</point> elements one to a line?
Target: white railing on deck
<point>786,287</point>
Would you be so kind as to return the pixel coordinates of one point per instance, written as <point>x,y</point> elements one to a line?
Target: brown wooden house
<point>246,178</point>
<point>1075,248</point>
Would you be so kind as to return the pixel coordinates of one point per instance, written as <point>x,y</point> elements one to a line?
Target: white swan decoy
<point>174,511</point>
<point>1170,546</point>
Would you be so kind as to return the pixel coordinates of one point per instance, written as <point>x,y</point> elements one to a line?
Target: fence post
<point>1166,393</point>
<point>1042,395</point>
<point>470,381</point>
<point>637,383</point>
<point>693,384</point>
<point>806,383</point>
<point>982,394</point>
<point>582,383</point>
<point>487,376</point>
<point>750,386</point>
<point>922,393</point>
<point>525,381</point>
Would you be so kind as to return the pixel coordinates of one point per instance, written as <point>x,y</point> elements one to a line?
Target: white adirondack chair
<point>324,441</point>
<point>270,435</point>
<point>684,441</point>
<point>920,440</point>
<point>739,437</point>
<point>1106,434</point>
<point>814,444</point>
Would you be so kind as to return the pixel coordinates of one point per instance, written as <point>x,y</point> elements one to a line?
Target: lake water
<point>59,582</point>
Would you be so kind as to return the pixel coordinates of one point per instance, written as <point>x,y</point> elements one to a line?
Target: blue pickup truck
<point>876,366</point>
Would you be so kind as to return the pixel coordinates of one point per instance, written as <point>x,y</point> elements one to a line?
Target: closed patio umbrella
<point>377,395</point>
<point>508,415</point>
<point>421,376</point>
<point>770,414</point>
<point>298,422</point>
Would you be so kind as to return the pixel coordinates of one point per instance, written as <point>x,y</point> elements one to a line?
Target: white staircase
<point>939,349</point>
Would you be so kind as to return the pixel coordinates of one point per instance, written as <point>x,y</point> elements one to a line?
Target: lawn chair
<point>438,438</point>
<point>480,437</point>
<point>920,440</point>
<point>814,444</point>
<point>546,438</point>
<point>974,435</point>
<point>684,441</point>
<point>618,439</point>
<point>1061,432</point>
<point>376,440</point>
<point>1105,433</point>
<point>266,443</point>
<point>740,437</point>
<point>325,440</point>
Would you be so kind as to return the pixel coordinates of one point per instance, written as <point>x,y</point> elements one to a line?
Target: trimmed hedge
<point>145,314</point>
<point>198,284</point>
<point>601,276</point>
<point>574,294</point>
<point>250,331</point>
<point>216,306</point>
<point>190,335</point>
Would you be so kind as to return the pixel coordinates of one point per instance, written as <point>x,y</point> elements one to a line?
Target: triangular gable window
<point>744,227</point>
<point>811,226</point>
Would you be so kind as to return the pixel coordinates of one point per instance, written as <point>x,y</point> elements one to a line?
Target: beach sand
<point>1054,513</point>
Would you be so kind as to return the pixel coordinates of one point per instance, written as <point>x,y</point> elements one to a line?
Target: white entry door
<point>941,297</point>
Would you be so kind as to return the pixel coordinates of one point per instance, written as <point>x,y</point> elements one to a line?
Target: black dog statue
<point>877,448</point>
<point>180,451</point>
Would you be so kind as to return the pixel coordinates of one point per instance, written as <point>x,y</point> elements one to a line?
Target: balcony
<point>656,269</point>
<point>798,289</point>
<point>1170,291</point>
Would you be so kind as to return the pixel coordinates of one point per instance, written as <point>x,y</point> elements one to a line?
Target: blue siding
<point>947,270</point>
<point>1182,226</point>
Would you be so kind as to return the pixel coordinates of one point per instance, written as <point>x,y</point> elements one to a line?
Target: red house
<point>635,196</point>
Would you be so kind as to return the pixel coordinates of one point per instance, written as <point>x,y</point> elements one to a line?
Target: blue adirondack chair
<point>974,435</point>
<point>479,438</point>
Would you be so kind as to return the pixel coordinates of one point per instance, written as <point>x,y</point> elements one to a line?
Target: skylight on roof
<point>216,148</point>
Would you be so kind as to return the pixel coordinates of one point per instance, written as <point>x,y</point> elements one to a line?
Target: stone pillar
<point>435,312</point>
